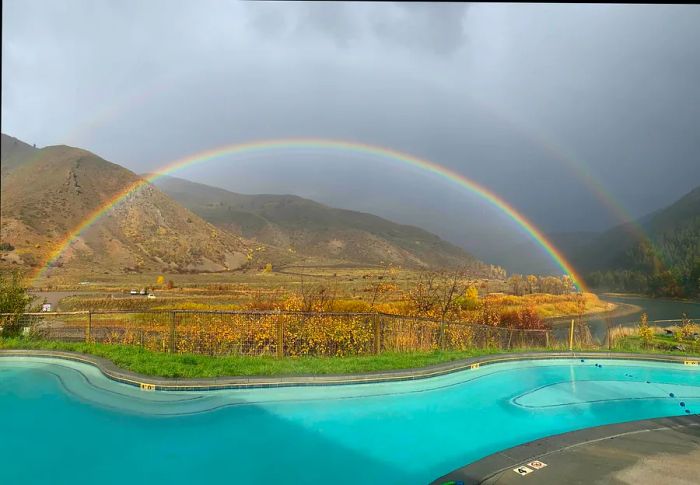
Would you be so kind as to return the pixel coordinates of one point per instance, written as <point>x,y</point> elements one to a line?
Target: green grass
<point>662,344</point>
<point>160,364</point>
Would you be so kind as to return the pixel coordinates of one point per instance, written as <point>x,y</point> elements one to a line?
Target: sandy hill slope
<point>48,192</point>
<point>314,230</point>
<point>14,153</point>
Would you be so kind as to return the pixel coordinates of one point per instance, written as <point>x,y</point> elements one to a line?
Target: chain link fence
<point>269,332</point>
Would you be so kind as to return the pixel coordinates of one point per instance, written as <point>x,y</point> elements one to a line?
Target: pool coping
<point>150,383</point>
<point>488,467</point>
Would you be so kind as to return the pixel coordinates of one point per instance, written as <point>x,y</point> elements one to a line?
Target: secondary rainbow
<point>349,147</point>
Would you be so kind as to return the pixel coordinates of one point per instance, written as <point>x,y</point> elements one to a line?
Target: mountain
<point>659,253</point>
<point>314,230</point>
<point>14,153</point>
<point>48,192</point>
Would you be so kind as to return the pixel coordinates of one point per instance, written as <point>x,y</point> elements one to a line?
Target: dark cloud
<point>545,104</point>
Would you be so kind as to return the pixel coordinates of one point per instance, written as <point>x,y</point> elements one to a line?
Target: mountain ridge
<point>311,229</point>
<point>48,192</point>
<point>658,253</point>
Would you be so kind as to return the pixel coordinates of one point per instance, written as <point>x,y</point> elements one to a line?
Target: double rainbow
<point>347,147</point>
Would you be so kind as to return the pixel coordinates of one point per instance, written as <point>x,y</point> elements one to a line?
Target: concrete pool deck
<point>664,450</point>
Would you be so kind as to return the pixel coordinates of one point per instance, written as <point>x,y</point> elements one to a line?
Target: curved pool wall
<point>65,422</point>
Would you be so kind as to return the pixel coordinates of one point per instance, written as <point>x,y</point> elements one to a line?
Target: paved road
<point>54,297</point>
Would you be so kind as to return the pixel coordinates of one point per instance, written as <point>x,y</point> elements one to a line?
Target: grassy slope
<point>659,344</point>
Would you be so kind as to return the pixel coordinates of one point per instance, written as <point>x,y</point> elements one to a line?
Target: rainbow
<point>538,137</point>
<point>350,147</point>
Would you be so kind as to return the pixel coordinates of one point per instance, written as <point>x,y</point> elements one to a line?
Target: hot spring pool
<point>64,422</point>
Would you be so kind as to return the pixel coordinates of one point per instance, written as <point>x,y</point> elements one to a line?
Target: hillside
<point>47,192</point>
<point>311,229</point>
<point>665,261</point>
<point>14,153</point>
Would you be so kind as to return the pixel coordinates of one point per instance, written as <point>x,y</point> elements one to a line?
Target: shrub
<point>14,300</point>
<point>646,334</point>
<point>686,329</point>
<point>470,299</point>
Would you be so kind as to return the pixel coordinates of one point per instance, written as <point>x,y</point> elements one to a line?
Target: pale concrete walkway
<point>643,452</point>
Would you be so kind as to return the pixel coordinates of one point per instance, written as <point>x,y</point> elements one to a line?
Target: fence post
<point>172,332</point>
<point>280,337</point>
<point>442,334</point>
<point>88,333</point>
<point>377,335</point>
<point>571,336</point>
<point>546,339</point>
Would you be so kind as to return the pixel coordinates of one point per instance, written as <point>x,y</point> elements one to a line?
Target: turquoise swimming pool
<point>64,422</point>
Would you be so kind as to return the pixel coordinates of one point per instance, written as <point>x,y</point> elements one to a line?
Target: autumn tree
<point>517,284</point>
<point>531,283</point>
<point>470,299</point>
<point>435,293</point>
<point>378,288</point>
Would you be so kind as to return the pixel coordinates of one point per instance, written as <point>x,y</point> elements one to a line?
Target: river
<point>630,309</point>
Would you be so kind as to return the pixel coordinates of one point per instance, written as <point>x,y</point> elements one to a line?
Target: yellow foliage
<point>686,329</point>
<point>646,334</point>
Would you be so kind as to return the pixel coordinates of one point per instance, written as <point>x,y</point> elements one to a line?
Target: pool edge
<point>150,383</point>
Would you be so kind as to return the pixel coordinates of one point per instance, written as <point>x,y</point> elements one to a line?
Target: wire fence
<point>270,332</point>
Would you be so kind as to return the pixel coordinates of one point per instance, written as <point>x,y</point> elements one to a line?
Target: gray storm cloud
<point>496,92</point>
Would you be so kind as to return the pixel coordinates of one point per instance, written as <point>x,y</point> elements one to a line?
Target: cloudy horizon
<point>575,114</point>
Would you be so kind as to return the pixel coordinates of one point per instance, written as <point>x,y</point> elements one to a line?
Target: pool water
<point>64,422</point>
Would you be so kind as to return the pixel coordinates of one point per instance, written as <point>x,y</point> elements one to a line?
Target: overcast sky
<point>547,105</point>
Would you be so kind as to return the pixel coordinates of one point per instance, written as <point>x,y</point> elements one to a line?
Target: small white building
<point>46,307</point>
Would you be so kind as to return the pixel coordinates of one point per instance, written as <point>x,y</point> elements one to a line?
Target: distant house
<point>46,307</point>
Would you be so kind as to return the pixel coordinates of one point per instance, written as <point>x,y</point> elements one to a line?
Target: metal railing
<point>278,333</point>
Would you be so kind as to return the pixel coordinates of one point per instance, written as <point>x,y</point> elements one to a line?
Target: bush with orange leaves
<point>524,318</point>
<point>261,334</point>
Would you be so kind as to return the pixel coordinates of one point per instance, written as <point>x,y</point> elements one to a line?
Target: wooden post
<point>377,335</point>
<point>546,339</point>
<point>571,336</point>
<point>88,332</point>
<point>172,332</point>
<point>442,334</point>
<point>280,337</point>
